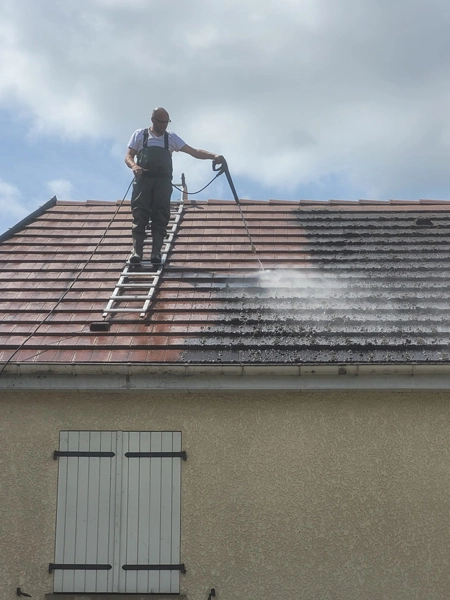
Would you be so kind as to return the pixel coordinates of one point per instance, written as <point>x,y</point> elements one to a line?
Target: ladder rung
<point>113,310</point>
<point>141,273</point>
<point>135,285</point>
<point>132,298</point>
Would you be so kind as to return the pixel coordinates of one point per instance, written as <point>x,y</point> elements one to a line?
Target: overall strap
<point>145,138</point>
<point>166,140</point>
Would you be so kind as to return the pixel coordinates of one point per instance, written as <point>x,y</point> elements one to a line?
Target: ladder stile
<point>137,286</point>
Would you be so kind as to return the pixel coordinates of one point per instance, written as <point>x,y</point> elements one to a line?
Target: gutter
<point>134,376</point>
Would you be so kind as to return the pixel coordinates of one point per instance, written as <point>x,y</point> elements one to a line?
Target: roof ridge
<point>212,201</point>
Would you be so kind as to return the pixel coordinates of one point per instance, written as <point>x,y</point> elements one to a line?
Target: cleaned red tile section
<point>344,282</point>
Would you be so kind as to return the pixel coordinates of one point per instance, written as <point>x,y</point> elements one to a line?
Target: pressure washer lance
<point>223,168</point>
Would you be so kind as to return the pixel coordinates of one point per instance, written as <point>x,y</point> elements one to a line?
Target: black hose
<point>198,192</point>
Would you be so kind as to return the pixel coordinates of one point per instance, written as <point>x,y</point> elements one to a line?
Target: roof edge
<point>29,219</point>
<point>164,377</point>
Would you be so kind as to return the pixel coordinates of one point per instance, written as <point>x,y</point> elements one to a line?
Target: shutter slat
<point>131,538</point>
<point>155,511</point>
<point>71,515</point>
<point>61,510</point>
<point>116,512</point>
<point>93,502</point>
<point>82,512</point>
<point>166,511</point>
<point>124,496</point>
<point>106,481</point>
<point>176,515</point>
<point>143,554</point>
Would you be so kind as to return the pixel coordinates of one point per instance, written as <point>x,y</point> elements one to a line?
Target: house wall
<point>297,495</point>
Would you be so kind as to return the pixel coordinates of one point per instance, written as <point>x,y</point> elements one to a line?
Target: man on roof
<point>149,156</point>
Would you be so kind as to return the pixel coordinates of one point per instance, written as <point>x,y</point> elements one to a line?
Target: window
<point>118,512</point>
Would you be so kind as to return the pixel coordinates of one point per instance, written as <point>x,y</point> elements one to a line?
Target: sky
<point>306,99</point>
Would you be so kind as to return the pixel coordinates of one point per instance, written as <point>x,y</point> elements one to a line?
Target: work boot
<point>138,250</point>
<point>157,243</point>
<point>156,258</point>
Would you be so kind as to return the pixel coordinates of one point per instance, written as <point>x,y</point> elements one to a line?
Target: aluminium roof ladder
<point>136,285</point>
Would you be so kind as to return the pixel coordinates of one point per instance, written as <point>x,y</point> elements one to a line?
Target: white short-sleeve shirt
<point>137,141</point>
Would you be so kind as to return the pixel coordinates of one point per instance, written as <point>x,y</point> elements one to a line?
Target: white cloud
<point>61,188</point>
<point>12,206</point>
<point>290,92</point>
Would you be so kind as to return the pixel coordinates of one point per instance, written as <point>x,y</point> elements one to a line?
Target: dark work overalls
<point>150,200</point>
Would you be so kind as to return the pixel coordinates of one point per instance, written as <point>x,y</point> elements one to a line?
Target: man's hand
<point>129,161</point>
<point>137,170</point>
<point>218,159</point>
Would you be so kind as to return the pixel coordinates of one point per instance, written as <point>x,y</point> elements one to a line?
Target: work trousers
<point>150,201</point>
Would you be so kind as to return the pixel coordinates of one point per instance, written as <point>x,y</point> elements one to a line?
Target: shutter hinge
<point>180,568</point>
<point>58,453</point>
<point>53,566</point>
<point>182,455</point>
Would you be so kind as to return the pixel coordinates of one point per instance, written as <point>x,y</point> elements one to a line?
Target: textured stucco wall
<point>330,496</point>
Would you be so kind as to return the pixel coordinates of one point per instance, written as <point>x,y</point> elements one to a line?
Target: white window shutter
<point>151,513</point>
<point>85,511</point>
<point>116,512</point>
